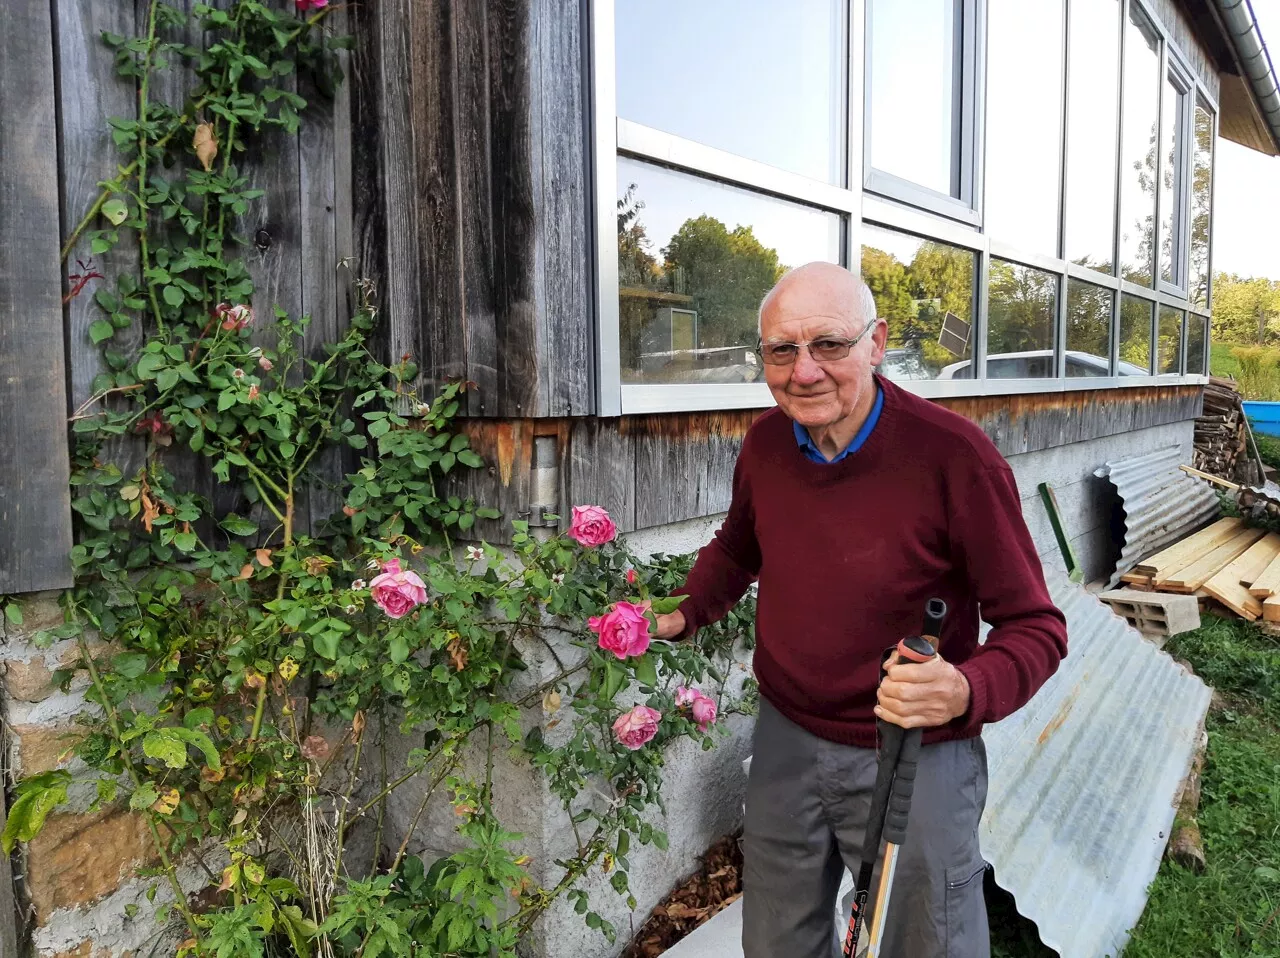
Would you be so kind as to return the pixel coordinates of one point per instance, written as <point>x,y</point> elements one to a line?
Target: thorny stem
<point>382,799</point>
<point>142,165</point>
<point>342,809</point>
<point>113,719</point>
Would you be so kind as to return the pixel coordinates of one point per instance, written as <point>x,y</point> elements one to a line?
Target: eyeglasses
<point>825,350</point>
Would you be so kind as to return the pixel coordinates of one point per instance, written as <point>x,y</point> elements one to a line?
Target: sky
<point>1247,195</point>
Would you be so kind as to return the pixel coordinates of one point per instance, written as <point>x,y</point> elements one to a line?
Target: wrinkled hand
<point>922,694</point>
<point>670,624</point>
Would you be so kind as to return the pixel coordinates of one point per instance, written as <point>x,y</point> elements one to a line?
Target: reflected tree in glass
<point>1195,344</point>
<point>1171,137</point>
<point>1169,345</point>
<point>915,283</point>
<point>1021,308</point>
<point>1138,143</point>
<point>1088,329</point>
<point>1201,197</point>
<point>1135,335</point>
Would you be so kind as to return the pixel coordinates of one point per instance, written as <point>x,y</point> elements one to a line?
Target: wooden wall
<point>652,470</point>
<point>471,195</point>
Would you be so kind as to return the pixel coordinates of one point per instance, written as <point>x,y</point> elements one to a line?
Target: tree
<point>728,272</point>
<point>1245,310</point>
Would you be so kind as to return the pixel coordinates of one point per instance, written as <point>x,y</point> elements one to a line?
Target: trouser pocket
<point>966,912</point>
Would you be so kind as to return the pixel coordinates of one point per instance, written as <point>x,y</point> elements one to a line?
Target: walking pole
<point>899,754</point>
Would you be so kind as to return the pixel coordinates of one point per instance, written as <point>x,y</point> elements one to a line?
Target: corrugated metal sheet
<point>1162,504</point>
<point>1083,780</point>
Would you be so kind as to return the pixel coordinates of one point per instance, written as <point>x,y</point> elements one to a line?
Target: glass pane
<point>763,80</point>
<point>1024,126</point>
<point>695,258</point>
<point>1201,180</point>
<point>1021,308</point>
<point>1088,329</point>
<point>1135,336</point>
<point>924,291</point>
<point>915,91</point>
<point>1092,124</point>
<point>1169,353</point>
<point>1171,138</point>
<point>1138,149</point>
<point>1195,345</point>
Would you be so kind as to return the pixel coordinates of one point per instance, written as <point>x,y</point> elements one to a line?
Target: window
<point>924,291</point>
<point>920,101</point>
<point>1135,336</point>
<point>712,70</point>
<point>1140,127</point>
<point>1092,121</point>
<point>695,258</point>
<point>1196,339</point>
<point>1088,329</point>
<point>1169,351</point>
<point>1173,143</point>
<point>1022,307</point>
<point>1024,123</point>
<point>1201,195</point>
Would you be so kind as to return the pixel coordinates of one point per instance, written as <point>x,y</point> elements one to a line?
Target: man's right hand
<point>670,624</point>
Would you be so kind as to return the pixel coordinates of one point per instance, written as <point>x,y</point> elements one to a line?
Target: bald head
<point>821,289</point>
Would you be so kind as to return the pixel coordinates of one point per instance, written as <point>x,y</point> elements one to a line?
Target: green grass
<point>1232,910</point>
<point>1221,362</point>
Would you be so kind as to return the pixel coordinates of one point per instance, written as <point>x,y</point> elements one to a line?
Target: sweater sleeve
<point>728,564</point>
<point>1028,635</point>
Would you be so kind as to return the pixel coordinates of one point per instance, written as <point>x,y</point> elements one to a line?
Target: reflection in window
<point>1195,345</point>
<point>1138,148</point>
<point>924,291</point>
<point>1088,329</point>
<point>1091,131</point>
<point>916,91</point>
<point>1169,350</point>
<point>1135,336</point>
<point>1024,133</point>
<point>1021,307</point>
<point>762,80</point>
<point>695,258</point>
<point>1201,193</point>
<point>1172,137</point>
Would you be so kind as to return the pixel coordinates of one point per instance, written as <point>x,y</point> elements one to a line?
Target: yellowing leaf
<point>129,493</point>
<point>551,702</point>
<point>167,803</point>
<point>264,557</point>
<point>115,211</point>
<point>288,668</point>
<point>205,145</point>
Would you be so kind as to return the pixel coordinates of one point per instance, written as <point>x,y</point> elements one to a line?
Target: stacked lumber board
<point>1227,564</point>
<point>1222,443</point>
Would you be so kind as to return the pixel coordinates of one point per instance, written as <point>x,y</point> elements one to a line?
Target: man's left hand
<point>922,694</point>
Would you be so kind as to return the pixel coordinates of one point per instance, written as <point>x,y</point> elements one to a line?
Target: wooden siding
<point>472,210</point>
<point>1188,30</point>
<point>35,502</point>
<point>652,470</point>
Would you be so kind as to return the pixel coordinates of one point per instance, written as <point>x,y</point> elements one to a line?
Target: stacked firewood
<point>1221,434</point>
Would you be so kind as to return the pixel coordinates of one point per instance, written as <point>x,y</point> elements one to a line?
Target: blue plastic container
<point>1265,417</point>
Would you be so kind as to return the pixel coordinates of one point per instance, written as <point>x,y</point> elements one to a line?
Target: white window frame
<point>871,199</point>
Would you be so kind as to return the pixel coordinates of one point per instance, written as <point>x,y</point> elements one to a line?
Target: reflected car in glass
<point>1038,364</point>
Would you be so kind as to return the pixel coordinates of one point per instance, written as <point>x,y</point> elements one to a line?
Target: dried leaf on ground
<point>205,145</point>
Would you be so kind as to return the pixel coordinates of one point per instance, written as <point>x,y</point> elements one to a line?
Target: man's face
<point>809,308</point>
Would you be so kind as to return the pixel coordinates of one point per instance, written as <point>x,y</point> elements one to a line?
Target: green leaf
<point>615,676</point>
<point>326,645</point>
<point>100,331</point>
<point>115,211</point>
<point>166,379</point>
<point>144,797</point>
<point>238,526</point>
<point>624,843</point>
<point>398,649</point>
<point>191,400</point>
<point>197,717</point>
<point>149,365</point>
<point>647,670</point>
<point>174,296</point>
<point>13,612</point>
<point>1266,873</point>
<point>185,541</point>
<point>198,740</point>
<point>469,458</point>
<point>36,798</point>
<point>668,605</point>
<point>165,746</point>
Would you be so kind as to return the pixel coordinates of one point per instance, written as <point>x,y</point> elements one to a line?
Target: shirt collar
<point>810,448</point>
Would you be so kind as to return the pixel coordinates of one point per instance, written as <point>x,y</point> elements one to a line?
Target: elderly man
<point>853,503</point>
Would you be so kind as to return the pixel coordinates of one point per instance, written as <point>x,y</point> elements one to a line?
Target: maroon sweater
<point>847,553</point>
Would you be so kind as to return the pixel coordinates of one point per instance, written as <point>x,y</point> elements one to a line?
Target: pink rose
<point>233,317</point>
<point>700,704</point>
<point>633,729</point>
<point>265,363</point>
<point>623,630</point>
<point>631,577</point>
<point>397,592</point>
<point>305,5</point>
<point>591,526</point>
<point>685,696</point>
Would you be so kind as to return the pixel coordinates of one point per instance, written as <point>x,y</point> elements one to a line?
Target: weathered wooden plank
<point>513,208</point>
<point>367,197</point>
<point>1225,585</point>
<point>504,482</point>
<point>35,512</point>
<point>1195,574</point>
<point>1181,553</point>
<point>567,363</point>
<point>602,470</point>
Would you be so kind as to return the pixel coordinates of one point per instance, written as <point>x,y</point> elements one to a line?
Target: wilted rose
<point>233,317</point>
<point>699,703</point>
<point>623,630</point>
<point>237,373</point>
<point>397,592</point>
<point>253,393</point>
<point>633,729</point>
<point>265,364</point>
<point>316,748</point>
<point>591,526</point>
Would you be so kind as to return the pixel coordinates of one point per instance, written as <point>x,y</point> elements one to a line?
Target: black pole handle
<point>904,783</point>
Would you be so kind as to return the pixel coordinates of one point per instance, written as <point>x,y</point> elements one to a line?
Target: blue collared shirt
<point>810,449</point>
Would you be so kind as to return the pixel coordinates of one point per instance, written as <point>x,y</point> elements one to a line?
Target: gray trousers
<point>807,805</point>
